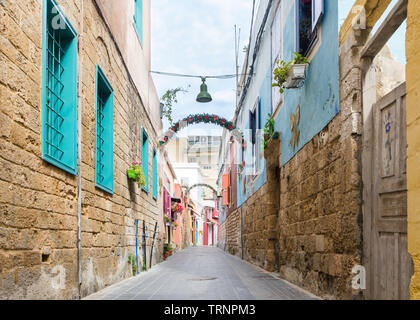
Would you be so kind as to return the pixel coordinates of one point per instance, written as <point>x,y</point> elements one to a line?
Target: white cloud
<point>197,37</point>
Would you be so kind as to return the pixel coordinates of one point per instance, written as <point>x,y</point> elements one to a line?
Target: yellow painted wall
<point>413,140</point>
<point>373,11</point>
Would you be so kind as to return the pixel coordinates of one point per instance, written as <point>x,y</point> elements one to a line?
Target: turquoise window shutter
<point>59,89</point>
<point>155,175</point>
<point>145,158</point>
<point>138,18</point>
<point>104,166</point>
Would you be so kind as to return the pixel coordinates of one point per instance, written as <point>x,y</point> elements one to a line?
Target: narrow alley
<point>209,150</point>
<point>203,273</point>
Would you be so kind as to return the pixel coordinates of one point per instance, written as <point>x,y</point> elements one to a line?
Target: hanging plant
<point>168,100</point>
<point>269,132</point>
<point>135,172</point>
<point>177,207</point>
<point>281,71</point>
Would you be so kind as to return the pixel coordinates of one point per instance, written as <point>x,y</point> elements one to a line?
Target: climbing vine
<point>168,100</point>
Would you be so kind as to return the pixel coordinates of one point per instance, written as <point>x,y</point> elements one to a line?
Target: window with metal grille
<point>145,158</point>
<point>155,175</point>
<point>104,166</point>
<point>59,89</point>
<point>138,19</point>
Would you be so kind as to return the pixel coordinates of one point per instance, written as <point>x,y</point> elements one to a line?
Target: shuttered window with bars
<point>138,19</point>
<point>145,158</point>
<point>104,166</point>
<point>226,189</point>
<point>155,175</point>
<point>59,89</point>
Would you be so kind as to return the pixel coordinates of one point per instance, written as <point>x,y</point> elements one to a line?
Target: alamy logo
<point>359,280</point>
<point>359,21</point>
<point>58,280</point>
<point>58,21</point>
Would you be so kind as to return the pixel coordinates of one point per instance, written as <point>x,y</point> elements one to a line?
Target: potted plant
<point>135,172</point>
<point>167,221</point>
<point>177,207</point>
<point>269,132</point>
<point>291,74</point>
<point>167,250</point>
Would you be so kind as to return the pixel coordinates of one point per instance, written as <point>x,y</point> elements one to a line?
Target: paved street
<point>202,273</point>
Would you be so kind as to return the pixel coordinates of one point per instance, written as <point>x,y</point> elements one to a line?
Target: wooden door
<point>390,265</point>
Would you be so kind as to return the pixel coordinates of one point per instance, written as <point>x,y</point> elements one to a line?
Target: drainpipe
<point>79,156</point>
<point>137,246</point>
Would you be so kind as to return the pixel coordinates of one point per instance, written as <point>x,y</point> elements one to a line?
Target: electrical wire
<point>226,76</point>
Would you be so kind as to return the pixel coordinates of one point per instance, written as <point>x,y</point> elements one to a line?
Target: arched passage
<point>205,185</point>
<point>203,118</point>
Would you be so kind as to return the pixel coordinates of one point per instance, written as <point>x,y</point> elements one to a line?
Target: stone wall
<point>306,221</point>
<point>413,134</point>
<point>230,233</point>
<point>38,201</point>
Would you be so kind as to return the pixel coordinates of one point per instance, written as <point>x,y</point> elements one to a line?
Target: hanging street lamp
<point>204,96</point>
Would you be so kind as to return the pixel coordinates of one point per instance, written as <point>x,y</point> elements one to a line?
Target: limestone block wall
<point>38,201</point>
<point>413,151</point>
<point>306,221</point>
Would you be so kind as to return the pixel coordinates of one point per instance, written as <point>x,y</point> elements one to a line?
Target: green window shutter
<point>155,175</point>
<point>59,89</point>
<point>104,166</point>
<point>138,18</point>
<point>145,158</point>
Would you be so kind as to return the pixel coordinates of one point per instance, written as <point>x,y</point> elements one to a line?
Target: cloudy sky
<point>198,38</point>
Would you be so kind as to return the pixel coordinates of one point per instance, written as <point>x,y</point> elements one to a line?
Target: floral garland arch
<point>201,185</point>
<point>203,118</point>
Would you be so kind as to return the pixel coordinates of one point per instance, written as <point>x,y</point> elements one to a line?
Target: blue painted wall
<point>318,98</point>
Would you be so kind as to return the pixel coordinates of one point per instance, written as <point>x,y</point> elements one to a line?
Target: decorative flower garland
<point>201,185</point>
<point>206,118</point>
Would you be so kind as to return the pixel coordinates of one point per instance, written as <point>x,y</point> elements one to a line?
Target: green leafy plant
<point>282,69</point>
<point>144,267</point>
<point>168,100</point>
<point>167,247</point>
<point>135,172</point>
<point>132,261</point>
<point>268,130</point>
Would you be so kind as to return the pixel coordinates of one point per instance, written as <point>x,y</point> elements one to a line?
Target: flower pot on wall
<point>132,174</point>
<point>296,75</point>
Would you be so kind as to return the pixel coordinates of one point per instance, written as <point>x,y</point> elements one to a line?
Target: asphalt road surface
<point>203,273</point>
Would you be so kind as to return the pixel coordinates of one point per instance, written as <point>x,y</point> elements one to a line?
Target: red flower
<point>230,126</point>
<point>177,124</point>
<point>198,118</point>
<point>215,118</point>
<point>222,121</point>
<point>190,119</point>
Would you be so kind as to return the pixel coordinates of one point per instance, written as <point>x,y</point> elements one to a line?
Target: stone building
<point>413,152</point>
<point>77,106</point>
<point>323,203</point>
